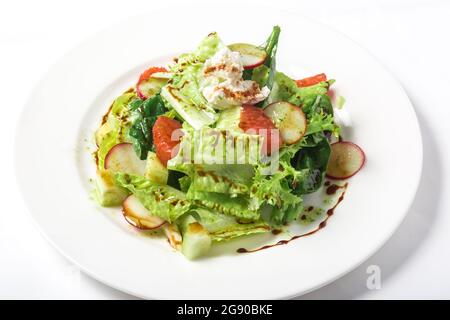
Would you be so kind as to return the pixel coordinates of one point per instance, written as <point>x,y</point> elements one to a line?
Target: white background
<point>411,38</point>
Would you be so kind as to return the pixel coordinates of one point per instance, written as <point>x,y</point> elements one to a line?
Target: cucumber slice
<point>196,240</point>
<point>107,194</point>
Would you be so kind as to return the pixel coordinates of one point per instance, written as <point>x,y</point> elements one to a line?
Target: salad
<point>219,145</point>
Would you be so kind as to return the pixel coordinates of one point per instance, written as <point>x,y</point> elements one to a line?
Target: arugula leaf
<point>143,118</point>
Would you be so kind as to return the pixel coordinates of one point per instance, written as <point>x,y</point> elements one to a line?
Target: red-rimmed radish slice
<point>346,160</point>
<point>138,216</point>
<point>310,81</point>
<point>289,119</point>
<point>123,158</point>
<point>151,81</point>
<point>173,236</point>
<point>251,55</point>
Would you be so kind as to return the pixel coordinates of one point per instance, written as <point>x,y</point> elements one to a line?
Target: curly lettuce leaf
<point>320,122</point>
<point>275,194</point>
<point>161,200</point>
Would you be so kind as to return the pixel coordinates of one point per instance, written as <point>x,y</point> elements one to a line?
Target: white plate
<point>54,139</point>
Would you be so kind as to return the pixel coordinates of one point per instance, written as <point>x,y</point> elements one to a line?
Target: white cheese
<point>223,86</point>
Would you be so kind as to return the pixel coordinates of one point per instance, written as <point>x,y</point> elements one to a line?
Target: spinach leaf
<point>314,158</point>
<point>144,114</point>
<point>270,46</point>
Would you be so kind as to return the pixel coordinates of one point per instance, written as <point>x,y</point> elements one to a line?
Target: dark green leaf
<point>174,179</point>
<point>144,116</point>
<point>313,157</point>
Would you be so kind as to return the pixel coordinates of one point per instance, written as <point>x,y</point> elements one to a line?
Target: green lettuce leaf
<point>274,193</point>
<point>233,179</point>
<point>286,89</point>
<point>161,200</point>
<point>224,227</point>
<point>218,161</point>
<point>213,146</point>
<point>229,119</point>
<point>239,206</point>
<point>183,92</point>
<point>316,103</point>
<point>320,122</point>
<point>115,129</point>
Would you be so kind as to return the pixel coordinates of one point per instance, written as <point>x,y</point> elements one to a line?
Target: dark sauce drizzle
<point>322,225</point>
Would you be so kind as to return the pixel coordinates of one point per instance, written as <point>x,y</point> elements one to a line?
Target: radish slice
<point>123,158</point>
<point>173,236</point>
<point>138,216</point>
<point>251,55</point>
<point>289,119</point>
<point>346,160</point>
